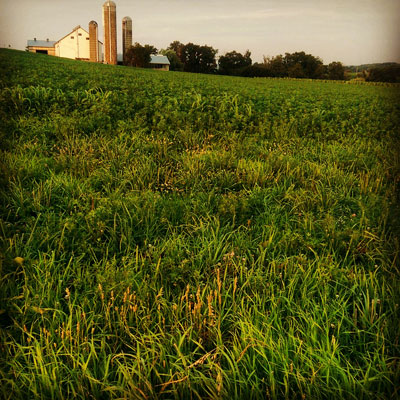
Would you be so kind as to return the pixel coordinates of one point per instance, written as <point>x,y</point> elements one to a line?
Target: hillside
<point>367,67</point>
<point>187,236</point>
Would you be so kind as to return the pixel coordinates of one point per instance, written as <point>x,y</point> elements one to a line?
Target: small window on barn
<point>72,37</point>
<point>87,38</point>
<point>79,34</point>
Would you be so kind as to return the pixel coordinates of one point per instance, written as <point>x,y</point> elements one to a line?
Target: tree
<point>295,65</point>
<point>175,63</point>
<point>302,65</point>
<point>233,61</point>
<point>296,71</point>
<point>335,71</point>
<point>389,73</point>
<point>139,56</point>
<point>256,70</point>
<point>275,65</point>
<point>321,72</point>
<point>198,58</point>
<point>195,58</point>
<point>177,47</point>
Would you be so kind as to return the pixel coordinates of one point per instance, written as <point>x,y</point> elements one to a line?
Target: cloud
<point>264,14</point>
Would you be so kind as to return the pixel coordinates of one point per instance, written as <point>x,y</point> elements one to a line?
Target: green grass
<point>188,236</point>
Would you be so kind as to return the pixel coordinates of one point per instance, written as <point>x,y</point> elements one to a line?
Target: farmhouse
<point>76,45</point>
<point>159,62</point>
<point>41,46</point>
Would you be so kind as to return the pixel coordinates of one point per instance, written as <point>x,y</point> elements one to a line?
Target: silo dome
<point>94,23</point>
<point>109,3</point>
<point>126,19</point>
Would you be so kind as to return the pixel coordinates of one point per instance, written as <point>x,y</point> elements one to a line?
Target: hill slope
<point>170,235</point>
<point>366,67</point>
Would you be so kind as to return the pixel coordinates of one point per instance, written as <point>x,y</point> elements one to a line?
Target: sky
<point>351,31</point>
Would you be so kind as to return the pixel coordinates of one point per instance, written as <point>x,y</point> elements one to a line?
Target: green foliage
<point>233,61</point>
<point>295,65</point>
<point>275,66</point>
<point>177,47</point>
<point>195,58</point>
<point>177,236</point>
<point>198,58</point>
<point>367,67</point>
<point>139,56</point>
<point>175,62</point>
<point>302,65</point>
<point>390,73</point>
<point>335,71</point>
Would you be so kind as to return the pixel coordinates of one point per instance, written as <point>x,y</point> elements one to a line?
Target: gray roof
<point>41,43</point>
<point>159,60</point>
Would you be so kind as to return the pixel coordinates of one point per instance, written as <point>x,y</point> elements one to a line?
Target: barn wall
<point>75,45</point>
<point>160,67</point>
<point>50,50</point>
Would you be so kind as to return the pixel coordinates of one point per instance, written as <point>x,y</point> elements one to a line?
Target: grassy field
<point>182,236</point>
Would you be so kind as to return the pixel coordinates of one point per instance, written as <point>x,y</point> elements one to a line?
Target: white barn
<point>75,45</point>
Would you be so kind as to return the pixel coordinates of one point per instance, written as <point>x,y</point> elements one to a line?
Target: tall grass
<point>176,236</point>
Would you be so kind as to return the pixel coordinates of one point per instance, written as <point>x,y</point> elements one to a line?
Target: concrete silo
<point>110,32</point>
<point>126,35</point>
<point>93,42</point>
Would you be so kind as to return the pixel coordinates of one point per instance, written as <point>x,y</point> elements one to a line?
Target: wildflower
<point>19,260</point>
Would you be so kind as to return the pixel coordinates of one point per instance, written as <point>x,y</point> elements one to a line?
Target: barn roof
<point>74,30</point>
<point>159,60</point>
<point>41,43</point>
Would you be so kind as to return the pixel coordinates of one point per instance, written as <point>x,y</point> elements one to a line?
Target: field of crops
<point>183,236</point>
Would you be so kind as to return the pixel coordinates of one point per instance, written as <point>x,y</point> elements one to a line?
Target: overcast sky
<point>350,31</point>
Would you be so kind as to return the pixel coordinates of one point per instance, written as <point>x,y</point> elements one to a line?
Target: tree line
<point>384,73</point>
<point>192,57</point>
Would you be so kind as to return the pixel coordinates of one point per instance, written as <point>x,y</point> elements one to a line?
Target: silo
<point>110,32</point>
<point>93,42</point>
<point>126,35</point>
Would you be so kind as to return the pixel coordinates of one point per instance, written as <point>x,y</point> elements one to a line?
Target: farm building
<point>126,35</point>
<point>110,32</point>
<point>41,46</point>
<point>159,62</point>
<point>80,44</point>
<point>94,46</point>
<point>76,45</point>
